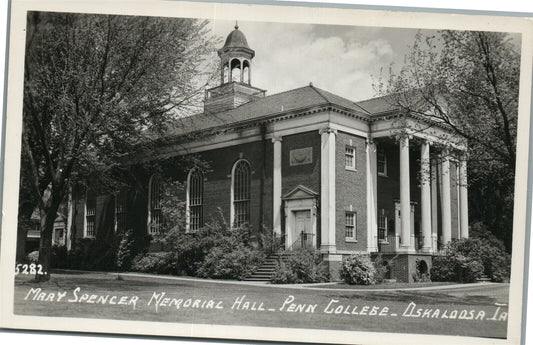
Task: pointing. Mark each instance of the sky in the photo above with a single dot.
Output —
(344, 60)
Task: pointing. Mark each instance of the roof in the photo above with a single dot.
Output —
(236, 39)
(379, 105)
(277, 104)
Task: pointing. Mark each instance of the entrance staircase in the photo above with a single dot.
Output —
(265, 272)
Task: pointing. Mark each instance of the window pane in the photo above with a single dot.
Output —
(196, 199)
(155, 205)
(241, 193)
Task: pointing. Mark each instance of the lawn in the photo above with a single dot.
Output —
(478, 310)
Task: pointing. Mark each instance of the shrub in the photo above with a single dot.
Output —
(159, 262)
(125, 250)
(59, 257)
(283, 275)
(421, 274)
(456, 268)
(230, 263)
(358, 270)
(381, 268)
(301, 266)
(33, 257)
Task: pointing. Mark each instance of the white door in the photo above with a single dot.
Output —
(302, 234)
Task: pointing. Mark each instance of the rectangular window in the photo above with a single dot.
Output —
(90, 215)
(381, 162)
(349, 158)
(120, 212)
(382, 227)
(350, 227)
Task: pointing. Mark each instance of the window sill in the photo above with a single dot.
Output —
(383, 242)
(383, 175)
(350, 240)
(350, 169)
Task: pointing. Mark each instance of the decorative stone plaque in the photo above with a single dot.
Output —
(301, 156)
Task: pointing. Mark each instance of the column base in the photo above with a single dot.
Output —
(405, 250)
(426, 250)
(331, 264)
(328, 249)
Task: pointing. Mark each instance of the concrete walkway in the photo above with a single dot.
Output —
(316, 286)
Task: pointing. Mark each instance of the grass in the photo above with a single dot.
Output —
(276, 312)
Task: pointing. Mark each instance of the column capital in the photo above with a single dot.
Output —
(426, 141)
(276, 138)
(328, 130)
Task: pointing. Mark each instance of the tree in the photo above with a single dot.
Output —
(94, 86)
(469, 82)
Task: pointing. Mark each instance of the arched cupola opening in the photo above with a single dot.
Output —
(235, 86)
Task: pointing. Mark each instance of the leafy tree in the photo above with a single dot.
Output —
(95, 87)
(469, 82)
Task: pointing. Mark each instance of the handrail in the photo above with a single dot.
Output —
(303, 238)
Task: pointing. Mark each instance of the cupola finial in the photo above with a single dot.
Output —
(236, 25)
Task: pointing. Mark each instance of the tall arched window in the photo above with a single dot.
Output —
(154, 205)
(241, 178)
(195, 199)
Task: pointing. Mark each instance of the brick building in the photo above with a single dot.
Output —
(317, 169)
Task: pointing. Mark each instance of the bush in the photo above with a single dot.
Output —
(381, 268)
(235, 263)
(481, 250)
(59, 257)
(301, 266)
(456, 268)
(33, 257)
(160, 262)
(358, 270)
(125, 250)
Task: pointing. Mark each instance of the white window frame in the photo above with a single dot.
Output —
(86, 214)
(188, 200)
(123, 213)
(352, 238)
(149, 220)
(382, 215)
(385, 166)
(353, 155)
(232, 192)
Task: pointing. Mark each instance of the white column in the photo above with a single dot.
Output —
(371, 199)
(463, 197)
(434, 207)
(405, 198)
(446, 199)
(242, 72)
(249, 72)
(276, 187)
(230, 71)
(327, 190)
(425, 189)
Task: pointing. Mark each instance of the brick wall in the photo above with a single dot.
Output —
(350, 190)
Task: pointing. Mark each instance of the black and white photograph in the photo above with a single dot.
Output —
(266, 173)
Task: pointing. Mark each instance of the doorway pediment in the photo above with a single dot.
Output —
(300, 192)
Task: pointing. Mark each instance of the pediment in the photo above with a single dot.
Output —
(300, 192)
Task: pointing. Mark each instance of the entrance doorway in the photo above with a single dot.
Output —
(300, 218)
(302, 233)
